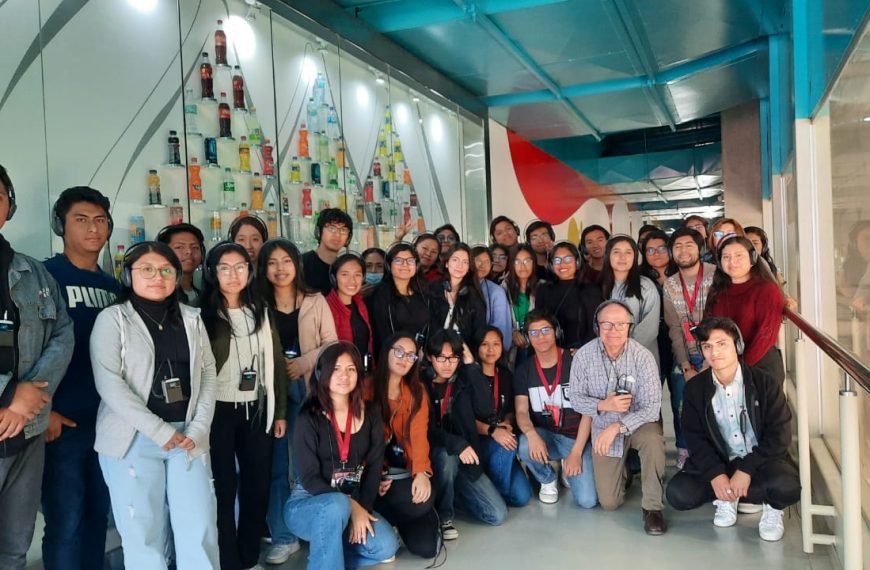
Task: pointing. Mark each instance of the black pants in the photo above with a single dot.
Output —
(417, 522)
(777, 483)
(771, 363)
(238, 434)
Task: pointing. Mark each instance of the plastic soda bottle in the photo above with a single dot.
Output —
(257, 193)
(118, 262)
(268, 160)
(244, 155)
(153, 188)
(195, 188)
(238, 88)
(220, 44)
(176, 212)
(206, 77)
(307, 210)
(303, 140)
(229, 189)
(295, 171)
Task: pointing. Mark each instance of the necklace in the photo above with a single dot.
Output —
(153, 320)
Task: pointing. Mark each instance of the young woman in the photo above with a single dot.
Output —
(373, 258)
(349, 312)
(758, 237)
(657, 266)
(459, 395)
(428, 248)
(338, 446)
(251, 233)
(520, 284)
(155, 374)
(498, 310)
(447, 238)
(399, 303)
(569, 299)
(499, 445)
(621, 280)
(304, 324)
(719, 230)
(500, 256)
(744, 290)
(457, 302)
(405, 495)
(251, 401)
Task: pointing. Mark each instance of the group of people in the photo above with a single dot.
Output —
(356, 402)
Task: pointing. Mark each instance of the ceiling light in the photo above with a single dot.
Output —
(379, 79)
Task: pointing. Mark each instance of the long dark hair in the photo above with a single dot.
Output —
(469, 282)
(512, 281)
(765, 246)
(266, 289)
(132, 256)
(381, 382)
(492, 329)
(392, 251)
(319, 399)
(214, 304)
(608, 278)
(647, 269)
(722, 281)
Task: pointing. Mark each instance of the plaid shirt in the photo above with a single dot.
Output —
(593, 378)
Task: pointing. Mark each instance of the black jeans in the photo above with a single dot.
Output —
(417, 522)
(238, 434)
(776, 483)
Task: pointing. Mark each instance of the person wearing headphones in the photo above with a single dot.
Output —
(505, 232)
(593, 240)
(745, 291)
(428, 248)
(251, 405)
(75, 499)
(719, 230)
(551, 429)
(738, 425)
(447, 237)
(338, 447)
(498, 311)
(456, 302)
(541, 236)
(500, 255)
(758, 237)
(399, 303)
(615, 381)
(188, 243)
(348, 309)
(155, 372)
(304, 324)
(251, 233)
(333, 232)
(569, 299)
(36, 344)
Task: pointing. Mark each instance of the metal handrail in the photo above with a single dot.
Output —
(856, 369)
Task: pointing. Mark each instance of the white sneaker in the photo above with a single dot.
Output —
(280, 553)
(389, 560)
(748, 508)
(770, 526)
(549, 493)
(726, 513)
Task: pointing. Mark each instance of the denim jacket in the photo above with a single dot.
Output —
(45, 333)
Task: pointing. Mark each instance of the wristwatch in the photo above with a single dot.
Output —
(623, 429)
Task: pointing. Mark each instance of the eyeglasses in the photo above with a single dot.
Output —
(608, 326)
(340, 230)
(527, 261)
(150, 272)
(561, 260)
(401, 354)
(654, 250)
(539, 238)
(544, 331)
(225, 269)
(409, 261)
(442, 359)
(449, 238)
(500, 257)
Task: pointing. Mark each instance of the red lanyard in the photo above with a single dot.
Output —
(343, 442)
(445, 403)
(690, 303)
(556, 381)
(495, 393)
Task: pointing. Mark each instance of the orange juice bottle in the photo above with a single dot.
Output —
(195, 186)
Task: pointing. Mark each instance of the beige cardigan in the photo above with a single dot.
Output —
(316, 328)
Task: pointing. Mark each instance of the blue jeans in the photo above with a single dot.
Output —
(505, 472)
(322, 520)
(453, 487)
(75, 502)
(558, 447)
(280, 490)
(147, 481)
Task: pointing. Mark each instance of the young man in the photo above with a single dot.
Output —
(699, 224)
(593, 241)
(615, 381)
(36, 343)
(737, 424)
(683, 297)
(505, 232)
(75, 499)
(540, 236)
(333, 232)
(188, 243)
(550, 427)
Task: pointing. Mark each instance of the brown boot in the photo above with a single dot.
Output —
(654, 522)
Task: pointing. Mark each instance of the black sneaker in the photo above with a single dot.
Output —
(448, 531)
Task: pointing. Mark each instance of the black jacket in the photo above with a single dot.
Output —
(390, 312)
(469, 314)
(573, 305)
(768, 413)
(457, 429)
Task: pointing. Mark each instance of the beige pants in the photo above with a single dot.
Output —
(649, 442)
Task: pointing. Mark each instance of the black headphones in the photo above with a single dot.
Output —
(318, 366)
(394, 249)
(127, 271)
(563, 245)
(588, 230)
(554, 322)
(211, 261)
(255, 221)
(742, 240)
(341, 260)
(10, 192)
(610, 303)
(541, 224)
(72, 196)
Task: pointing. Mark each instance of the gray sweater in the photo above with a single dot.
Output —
(122, 354)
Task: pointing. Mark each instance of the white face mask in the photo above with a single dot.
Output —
(374, 278)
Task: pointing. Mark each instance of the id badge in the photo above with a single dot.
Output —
(248, 381)
(555, 412)
(172, 392)
(688, 334)
(340, 475)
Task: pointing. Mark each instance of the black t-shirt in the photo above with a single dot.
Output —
(316, 272)
(503, 402)
(562, 418)
(360, 329)
(288, 329)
